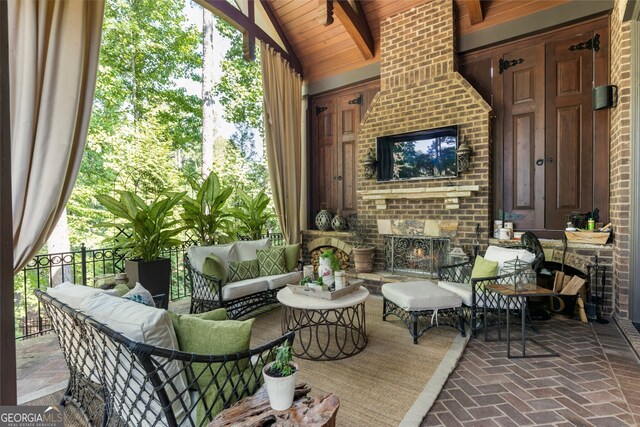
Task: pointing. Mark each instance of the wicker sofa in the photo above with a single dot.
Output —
(115, 380)
(240, 297)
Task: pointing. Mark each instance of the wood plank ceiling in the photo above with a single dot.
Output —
(325, 51)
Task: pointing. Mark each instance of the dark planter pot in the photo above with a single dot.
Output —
(155, 276)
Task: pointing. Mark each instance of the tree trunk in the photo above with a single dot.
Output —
(59, 242)
(208, 114)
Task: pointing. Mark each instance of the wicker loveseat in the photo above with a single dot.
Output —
(117, 381)
(238, 297)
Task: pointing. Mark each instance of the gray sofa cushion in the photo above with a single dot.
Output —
(279, 280)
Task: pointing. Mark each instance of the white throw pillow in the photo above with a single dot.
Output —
(140, 295)
(502, 255)
(74, 295)
(197, 255)
(147, 325)
(246, 250)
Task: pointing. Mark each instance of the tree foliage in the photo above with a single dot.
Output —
(145, 130)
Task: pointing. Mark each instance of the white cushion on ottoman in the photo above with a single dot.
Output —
(462, 289)
(420, 295)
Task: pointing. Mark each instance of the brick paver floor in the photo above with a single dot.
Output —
(594, 382)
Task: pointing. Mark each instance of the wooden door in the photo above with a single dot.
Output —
(348, 124)
(324, 158)
(523, 133)
(569, 163)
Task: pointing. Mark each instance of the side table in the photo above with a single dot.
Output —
(509, 293)
(305, 411)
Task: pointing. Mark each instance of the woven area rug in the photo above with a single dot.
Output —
(391, 382)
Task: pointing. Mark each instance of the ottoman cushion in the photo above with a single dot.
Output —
(420, 295)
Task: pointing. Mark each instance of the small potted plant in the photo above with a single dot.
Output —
(280, 378)
(363, 255)
(329, 263)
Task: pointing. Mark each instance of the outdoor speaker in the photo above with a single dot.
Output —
(605, 97)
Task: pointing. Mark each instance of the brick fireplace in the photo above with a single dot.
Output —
(421, 89)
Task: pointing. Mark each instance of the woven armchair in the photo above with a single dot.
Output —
(461, 273)
(115, 381)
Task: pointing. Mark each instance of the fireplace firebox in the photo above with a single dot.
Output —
(415, 255)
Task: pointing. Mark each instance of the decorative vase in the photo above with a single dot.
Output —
(323, 220)
(325, 271)
(338, 223)
(280, 389)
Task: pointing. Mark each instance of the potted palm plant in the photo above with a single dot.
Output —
(363, 254)
(147, 230)
(280, 378)
(205, 215)
(252, 213)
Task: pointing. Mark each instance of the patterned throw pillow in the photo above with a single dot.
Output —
(140, 295)
(272, 261)
(241, 270)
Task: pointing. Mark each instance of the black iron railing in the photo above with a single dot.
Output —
(83, 267)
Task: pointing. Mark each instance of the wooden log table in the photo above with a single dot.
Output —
(254, 411)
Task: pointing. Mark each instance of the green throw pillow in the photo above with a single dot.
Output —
(213, 266)
(216, 314)
(215, 337)
(484, 268)
(291, 255)
(272, 261)
(122, 289)
(241, 270)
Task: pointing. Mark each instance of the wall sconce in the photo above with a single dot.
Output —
(464, 156)
(370, 164)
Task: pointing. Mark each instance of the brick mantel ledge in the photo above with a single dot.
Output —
(449, 194)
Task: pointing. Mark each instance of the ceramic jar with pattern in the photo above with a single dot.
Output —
(323, 220)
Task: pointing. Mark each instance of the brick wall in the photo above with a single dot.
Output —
(620, 157)
(420, 89)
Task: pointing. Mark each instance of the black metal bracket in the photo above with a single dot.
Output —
(320, 109)
(357, 100)
(504, 64)
(593, 43)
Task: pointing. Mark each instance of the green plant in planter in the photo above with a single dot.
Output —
(283, 366)
(150, 227)
(334, 262)
(252, 213)
(206, 214)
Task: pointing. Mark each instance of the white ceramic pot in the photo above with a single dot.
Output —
(325, 271)
(280, 389)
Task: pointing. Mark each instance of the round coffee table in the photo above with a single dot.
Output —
(325, 329)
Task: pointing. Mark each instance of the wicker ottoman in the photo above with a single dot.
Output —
(422, 305)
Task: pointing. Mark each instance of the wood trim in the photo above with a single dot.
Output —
(242, 22)
(475, 11)
(355, 22)
(7, 322)
(292, 53)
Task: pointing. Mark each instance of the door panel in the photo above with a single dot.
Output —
(523, 95)
(569, 135)
(347, 152)
(326, 154)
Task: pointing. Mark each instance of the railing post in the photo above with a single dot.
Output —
(83, 257)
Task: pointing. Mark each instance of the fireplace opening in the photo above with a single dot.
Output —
(418, 256)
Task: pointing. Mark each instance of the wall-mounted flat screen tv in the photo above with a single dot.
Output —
(425, 154)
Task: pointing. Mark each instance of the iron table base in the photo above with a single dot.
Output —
(327, 334)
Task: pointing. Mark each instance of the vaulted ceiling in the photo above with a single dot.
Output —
(326, 50)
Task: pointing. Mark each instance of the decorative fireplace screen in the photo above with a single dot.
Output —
(415, 255)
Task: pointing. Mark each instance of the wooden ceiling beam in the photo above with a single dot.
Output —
(249, 29)
(475, 11)
(355, 22)
(325, 12)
